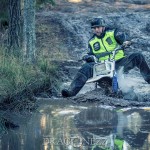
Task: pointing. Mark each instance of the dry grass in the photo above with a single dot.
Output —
(16, 76)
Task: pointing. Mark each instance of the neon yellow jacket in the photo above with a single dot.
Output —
(118, 145)
(105, 44)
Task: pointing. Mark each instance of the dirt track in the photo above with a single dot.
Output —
(73, 20)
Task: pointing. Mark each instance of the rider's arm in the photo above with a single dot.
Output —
(119, 36)
(89, 57)
(90, 52)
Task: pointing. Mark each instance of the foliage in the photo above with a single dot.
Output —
(4, 9)
(16, 76)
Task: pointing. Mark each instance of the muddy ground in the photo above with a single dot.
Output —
(71, 24)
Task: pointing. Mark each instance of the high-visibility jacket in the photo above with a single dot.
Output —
(118, 145)
(105, 44)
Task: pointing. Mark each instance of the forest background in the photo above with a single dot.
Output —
(24, 68)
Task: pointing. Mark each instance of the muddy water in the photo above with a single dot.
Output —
(77, 128)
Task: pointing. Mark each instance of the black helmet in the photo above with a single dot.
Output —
(97, 22)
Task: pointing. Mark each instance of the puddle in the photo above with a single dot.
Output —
(55, 127)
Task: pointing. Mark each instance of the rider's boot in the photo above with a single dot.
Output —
(76, 85)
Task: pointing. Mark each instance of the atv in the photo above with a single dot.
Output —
(104, 73)
(106, 77)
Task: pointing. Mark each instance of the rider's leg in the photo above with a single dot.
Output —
(79, 81)
(135, 60)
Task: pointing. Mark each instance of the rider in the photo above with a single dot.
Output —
(101, 45)
(110, 129)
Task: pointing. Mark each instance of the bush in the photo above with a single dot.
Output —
(17, 76)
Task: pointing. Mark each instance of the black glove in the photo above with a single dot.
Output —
(88, 58)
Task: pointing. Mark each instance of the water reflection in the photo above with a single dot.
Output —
(6, 125)
(78, 128)
(110, 129)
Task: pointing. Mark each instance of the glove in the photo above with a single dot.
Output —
(126, 44)
(88, 58)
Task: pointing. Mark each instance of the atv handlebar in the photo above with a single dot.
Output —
(92, 58)
(120, 47)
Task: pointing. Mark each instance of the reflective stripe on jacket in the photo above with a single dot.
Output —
(105, 44)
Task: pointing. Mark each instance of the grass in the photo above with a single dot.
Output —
(16, 76)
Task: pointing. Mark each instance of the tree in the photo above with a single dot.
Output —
(29, 37)
(14, 29)
(4, 14)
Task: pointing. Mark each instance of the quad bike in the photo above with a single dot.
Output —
(105, 76)
(104, 73)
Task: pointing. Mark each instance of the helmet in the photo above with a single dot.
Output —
(97, 22)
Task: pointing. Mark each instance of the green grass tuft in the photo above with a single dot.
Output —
(16, 76)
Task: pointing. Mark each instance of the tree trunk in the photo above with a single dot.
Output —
(29, 37)
(14, 30)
